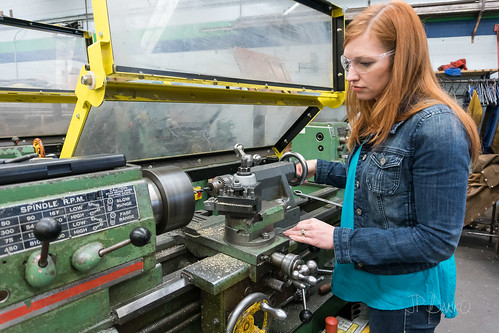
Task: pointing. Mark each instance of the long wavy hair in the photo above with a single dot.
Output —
(413, 85)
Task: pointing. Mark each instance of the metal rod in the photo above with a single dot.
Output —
(44, 254)
(492, 222)
(301, 194)
(184, 324)
(159, 325)
(304, 299)
(19, 23)
(478, 233)
(114, 247)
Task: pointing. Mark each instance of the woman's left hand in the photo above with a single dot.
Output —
(313, 232)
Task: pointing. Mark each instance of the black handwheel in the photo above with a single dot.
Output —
(304, 167)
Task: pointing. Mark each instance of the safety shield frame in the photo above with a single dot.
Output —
(104, 80)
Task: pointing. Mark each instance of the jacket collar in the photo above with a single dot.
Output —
(396, 126)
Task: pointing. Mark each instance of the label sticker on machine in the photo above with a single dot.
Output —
(79, 214)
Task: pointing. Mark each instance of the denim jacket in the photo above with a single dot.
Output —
(410, 195)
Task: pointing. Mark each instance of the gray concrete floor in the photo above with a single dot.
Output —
(477, 291)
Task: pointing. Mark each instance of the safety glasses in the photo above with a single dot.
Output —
(364, 64)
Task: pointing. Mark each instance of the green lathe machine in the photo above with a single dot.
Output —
(162, 207)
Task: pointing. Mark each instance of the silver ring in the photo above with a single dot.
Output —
(303, 232)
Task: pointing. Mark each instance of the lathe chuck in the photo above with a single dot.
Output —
(172, 197)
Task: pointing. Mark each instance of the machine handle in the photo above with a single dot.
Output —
(276, 312)
(247, 161)
(139, 236)
(305, 314)
(304, 167)
(46, 230)
(296, 275)
(248, 307)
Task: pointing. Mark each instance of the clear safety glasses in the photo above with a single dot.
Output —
(363, 64)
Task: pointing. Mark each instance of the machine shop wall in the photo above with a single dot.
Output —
(449, 26)
(450, 40)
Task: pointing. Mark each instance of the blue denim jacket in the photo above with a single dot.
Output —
(410, 195)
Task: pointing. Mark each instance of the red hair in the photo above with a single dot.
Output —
(413, 85)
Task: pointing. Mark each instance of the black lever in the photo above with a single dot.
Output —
(139, 236)
(305, 314)
(46, 230)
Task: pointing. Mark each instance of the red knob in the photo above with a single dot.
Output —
(331, 325)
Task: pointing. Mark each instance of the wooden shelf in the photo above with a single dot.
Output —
(475, 72)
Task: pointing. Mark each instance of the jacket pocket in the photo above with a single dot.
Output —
(383, 176)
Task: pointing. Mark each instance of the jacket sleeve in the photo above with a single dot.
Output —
(331, 173)
(440, 169)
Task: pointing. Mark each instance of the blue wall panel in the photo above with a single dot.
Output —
(459, 28)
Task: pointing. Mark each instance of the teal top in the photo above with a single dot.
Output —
(434, 286)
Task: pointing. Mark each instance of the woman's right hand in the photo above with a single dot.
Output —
(312, 168)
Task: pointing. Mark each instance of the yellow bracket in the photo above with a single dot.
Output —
(101, 61)
(147, 92)
(337, 12)
(37, 97)
(332, 100)
(103, 54)
(86, 99)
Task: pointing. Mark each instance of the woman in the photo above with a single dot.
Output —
(405, 179)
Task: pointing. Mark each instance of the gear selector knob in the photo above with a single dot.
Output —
(139, 236)
(46, 230)
(88, 256)
(41, 270)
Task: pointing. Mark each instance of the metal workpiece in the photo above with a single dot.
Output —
(171, 195)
